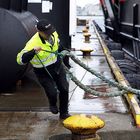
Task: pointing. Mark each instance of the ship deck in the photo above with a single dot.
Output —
(24, 114)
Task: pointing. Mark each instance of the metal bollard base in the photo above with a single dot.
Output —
(85, 137)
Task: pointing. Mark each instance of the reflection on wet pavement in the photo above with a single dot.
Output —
(97, 61)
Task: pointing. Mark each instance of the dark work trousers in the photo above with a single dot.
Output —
(52, 86)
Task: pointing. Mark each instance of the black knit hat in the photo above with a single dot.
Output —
(45, 26)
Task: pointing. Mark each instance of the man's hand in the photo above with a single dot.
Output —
(37, 49)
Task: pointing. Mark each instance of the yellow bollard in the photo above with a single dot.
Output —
(84, 127)
(85, 30)
(86, 51)
(87, 37)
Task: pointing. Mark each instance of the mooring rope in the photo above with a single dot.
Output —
(109, 81)
(125, 89)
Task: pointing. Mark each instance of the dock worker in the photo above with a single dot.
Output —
(47, 65)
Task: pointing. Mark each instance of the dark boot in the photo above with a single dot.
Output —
(64, 116)
(54, 109)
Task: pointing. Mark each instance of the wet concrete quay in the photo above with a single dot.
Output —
(25, 114)
(45, 126)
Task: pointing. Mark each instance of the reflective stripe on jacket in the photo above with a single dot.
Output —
(47, 58)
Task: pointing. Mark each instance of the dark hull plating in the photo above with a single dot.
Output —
(16, 27)
(122, 26)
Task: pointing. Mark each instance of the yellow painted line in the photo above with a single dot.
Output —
(131, 98)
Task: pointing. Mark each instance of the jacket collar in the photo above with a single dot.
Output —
(42, 39)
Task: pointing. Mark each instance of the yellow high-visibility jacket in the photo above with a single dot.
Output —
(47, 58)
